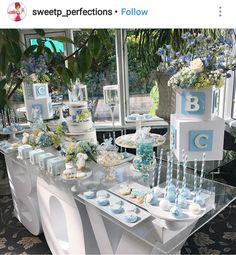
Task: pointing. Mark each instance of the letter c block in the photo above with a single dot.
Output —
(200, 140)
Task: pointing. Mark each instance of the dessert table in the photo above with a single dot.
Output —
(152, 235)
(73, 224)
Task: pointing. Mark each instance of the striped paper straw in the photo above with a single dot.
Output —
(159, 168)
(202, 170)
(177, 184)
(154, 172)
(167, 174)
(184, 171)
(195, 176)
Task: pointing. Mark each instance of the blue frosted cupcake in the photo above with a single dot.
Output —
(89, 194)
(116, 208)
(103, 201)
(130, 217)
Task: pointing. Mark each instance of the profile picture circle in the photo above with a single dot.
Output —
(16, 11)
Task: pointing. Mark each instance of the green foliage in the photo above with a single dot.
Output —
(154, 95)
(150, 40)
(100, 59)
(79, 62)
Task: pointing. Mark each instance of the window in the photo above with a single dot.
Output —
(143, 95)
(58, 45)
(103, 72)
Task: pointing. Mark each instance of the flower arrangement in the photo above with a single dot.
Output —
(43, 137)
(203, 62)
(35, 70)
(81, 115)
(79, 150)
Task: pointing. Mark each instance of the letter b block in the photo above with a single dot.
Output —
(197, 137)
(194, 104)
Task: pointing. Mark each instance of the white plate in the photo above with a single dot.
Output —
(88, 174)
(142, 214)
(150, 118)
(127, 141)
(157, 212)
(133, 185)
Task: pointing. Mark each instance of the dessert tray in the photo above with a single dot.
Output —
(129, 141)
(155, 210)
(81, 176)
(138, 200)
(126, 207)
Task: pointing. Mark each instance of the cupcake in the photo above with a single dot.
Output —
(89, 194)
(130, 217)
(116, 208)
(103, 201)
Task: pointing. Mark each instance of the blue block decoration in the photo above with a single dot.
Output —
(200, 140)
(196, 136)
(38, 107)
(29, 91)
(40, 90)
(193, 103)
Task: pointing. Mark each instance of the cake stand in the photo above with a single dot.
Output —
(129, 142)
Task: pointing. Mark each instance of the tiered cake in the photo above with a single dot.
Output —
(80, 123)
(194, 128)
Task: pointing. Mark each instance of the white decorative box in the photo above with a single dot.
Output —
(43, 106)
(23, 151)
(197, 137)
(56, 166)
(34, 156)
(43, 158)
(36, 90)
(194, 103)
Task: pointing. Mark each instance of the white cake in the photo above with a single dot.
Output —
(80, 124)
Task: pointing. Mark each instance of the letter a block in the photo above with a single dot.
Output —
(194, 104)
(197, 137)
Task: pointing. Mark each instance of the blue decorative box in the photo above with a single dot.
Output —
(194, 103)
(36, 91)
(34, 156)
(43, 158)
(23, 151)
(197, 137)
(55, 166)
